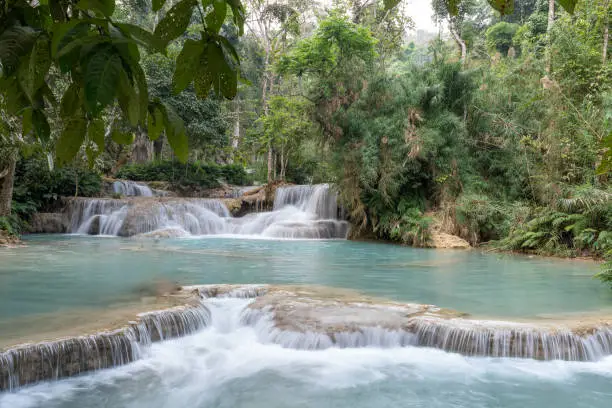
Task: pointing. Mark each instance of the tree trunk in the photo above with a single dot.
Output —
(551, 21)
(460, 43)
(142, 151)
(236, 135)
(7, 178)
(282, 162)
(606, 36)
(158, 147)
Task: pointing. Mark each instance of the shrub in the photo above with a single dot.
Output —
(38, 188)
(185, 175)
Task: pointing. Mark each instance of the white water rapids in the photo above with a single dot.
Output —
(307, 212)
(230, 364)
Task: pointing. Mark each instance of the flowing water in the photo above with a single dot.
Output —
(131, 189)
(228, 365)
(234, 361)
(299, 212)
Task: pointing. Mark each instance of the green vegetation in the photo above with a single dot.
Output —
(500, 133)
(185, 175)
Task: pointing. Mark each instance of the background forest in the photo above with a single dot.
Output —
(497, 130)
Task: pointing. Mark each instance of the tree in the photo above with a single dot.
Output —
(271, 22)
(100, 60)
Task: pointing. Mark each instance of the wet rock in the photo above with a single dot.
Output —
(48, 223)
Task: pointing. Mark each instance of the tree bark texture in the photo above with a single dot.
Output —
(7, 177)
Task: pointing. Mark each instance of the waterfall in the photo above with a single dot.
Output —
(139, 216)
(305, 212)
(131, 189)
(230, 308)
(32, 363)
(464, 336)
(318, 199)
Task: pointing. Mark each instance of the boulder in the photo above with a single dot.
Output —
(48, 223)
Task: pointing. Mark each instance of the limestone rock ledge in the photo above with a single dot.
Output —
(32, 363)
(316, 318)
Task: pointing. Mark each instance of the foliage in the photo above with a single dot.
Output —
(185, 175)
(408, 227)
(100, 60)
(38, 189)
(500, 36)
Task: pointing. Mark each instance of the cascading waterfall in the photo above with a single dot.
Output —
(131, 189)
(227, 310)
(307, 212)
(30, 364)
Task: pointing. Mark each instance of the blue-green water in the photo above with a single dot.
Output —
(226, 365)
(55, 273)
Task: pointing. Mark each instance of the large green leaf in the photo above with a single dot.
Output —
(95, 133)
(175, 21)
(121, 137)
(158, 4)
(568, 5)
(70, 101)
(155, 123)
(26, 122)
(15, 42)
(104, 7)
(175, 132)
(389, 4)
(128, 99)
(71, 139)
(142, 36)
(101, 79)
(41, 125)
(64, 33)
(38, 66)
(216, 17)
(187, 64)
(505, 7)
(140, 79)
(224, 78)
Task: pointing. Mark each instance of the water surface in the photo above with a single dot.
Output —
(58, 273)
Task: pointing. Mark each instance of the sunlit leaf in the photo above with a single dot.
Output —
(101, 79)
(175, 21)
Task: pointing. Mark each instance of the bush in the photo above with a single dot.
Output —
(185, 175)
(38, 188)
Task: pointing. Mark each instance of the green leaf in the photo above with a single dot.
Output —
(187, 64)
(140, 78)
(124, 138)
(229, 47)
(175, 132)
(41, 125)
(568, 5)
(63, 33)
(104, 7)
(175, 21)
(89, 40)
(505, 7)
(389, 4)
(70, 101)
(142, 36)
(15, 42)
(101, 79)
(95, 133)
(71, 139)
(38, 66)
(216, 17)
(26, 122)
(158, 4)
(128, 100)
(155, 122)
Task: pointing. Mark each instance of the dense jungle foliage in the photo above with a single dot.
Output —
(498, 130)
